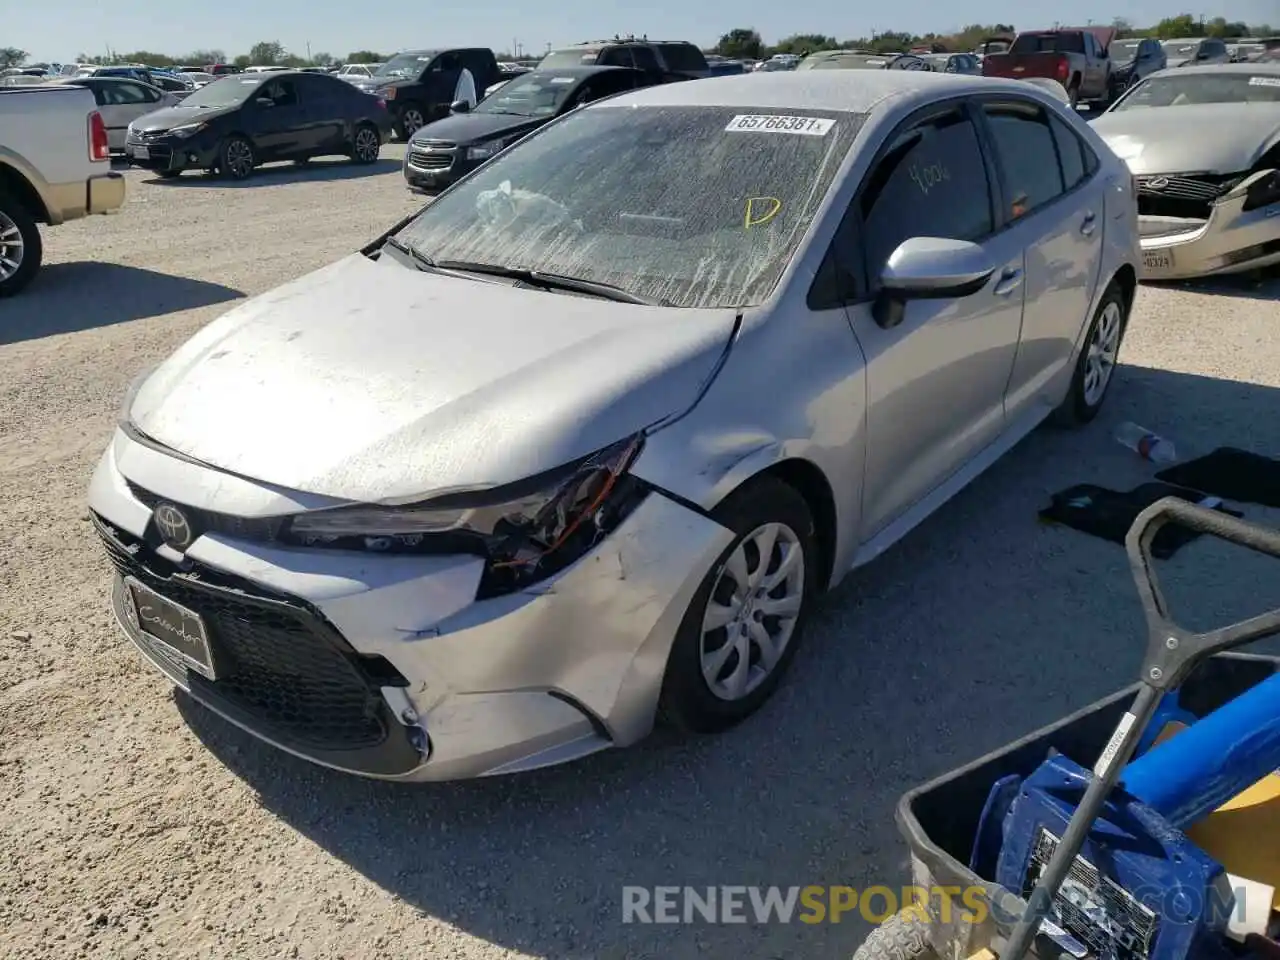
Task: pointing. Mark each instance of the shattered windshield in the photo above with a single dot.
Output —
(1194, 87)
(691, 206)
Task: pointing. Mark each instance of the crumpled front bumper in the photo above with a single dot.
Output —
(1231, 240)
(563, 669)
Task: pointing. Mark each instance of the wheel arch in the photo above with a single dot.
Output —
(21, 189)
(807, 479)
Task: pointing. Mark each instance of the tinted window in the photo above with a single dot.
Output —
(1070, 153)
(682, 57)
(284, 93)
(606, 85)
(572, 57)
(615, 57)
(696, 206)
(1025, 146)
(933, 181)
(645, 58)
(98, 95)
(1048, 43)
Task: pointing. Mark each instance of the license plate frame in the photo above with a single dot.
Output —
(1157, 261)
(140, 153)
(187, 639)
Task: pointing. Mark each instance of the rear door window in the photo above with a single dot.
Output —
(1028, 156)
(682, 57)
(646, 59)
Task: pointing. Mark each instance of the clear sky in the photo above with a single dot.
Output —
(59, 29)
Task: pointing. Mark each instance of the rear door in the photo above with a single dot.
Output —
(936, 381)
(327, 110)
(1052, 200)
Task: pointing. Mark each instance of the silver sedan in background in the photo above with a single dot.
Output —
(1204, 146)
(579, 445)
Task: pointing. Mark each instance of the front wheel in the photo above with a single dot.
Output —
(20, 248)
(411, 118)
(237, 160)
(366, 144)
(743, 625)
(1096, 367)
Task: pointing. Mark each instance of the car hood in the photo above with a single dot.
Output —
(1202, 138)
(166, 118)
(474, 127)
(371, 381)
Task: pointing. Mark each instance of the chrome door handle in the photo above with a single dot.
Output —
(1089, 224)
(1009, 281)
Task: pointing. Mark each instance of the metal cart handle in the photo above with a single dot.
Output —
(1173, 652)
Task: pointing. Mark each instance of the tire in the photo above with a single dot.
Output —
(1102, 344)
(1073, 94)
(236, 159)
(904, 936)
(366, 144)
(409, 119)
(687, 701)
(21, 250)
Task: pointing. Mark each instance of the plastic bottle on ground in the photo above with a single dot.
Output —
(1144, 443)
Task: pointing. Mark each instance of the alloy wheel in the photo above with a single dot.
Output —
(1104, 345)
(239, 159)
(411, 120)
(11, 247)
(367, 145)
(752, 611)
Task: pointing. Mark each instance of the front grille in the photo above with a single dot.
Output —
(261, 529)
(278, 661)
(424, 160)
(1182, 195)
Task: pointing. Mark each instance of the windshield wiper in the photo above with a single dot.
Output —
(419, 259)
(551, 281)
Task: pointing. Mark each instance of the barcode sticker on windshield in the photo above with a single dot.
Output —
(806, 126)
(1264, 81)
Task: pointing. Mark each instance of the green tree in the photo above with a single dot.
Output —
(1183, 25)
(741, 43)
(242, 61)
(365, 56)
(1230, 30)
(200, 58)
(148, 57)
(12, 57)
(322, 60)
(802, 43)
(266, 53)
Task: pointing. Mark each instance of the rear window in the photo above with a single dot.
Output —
(1048, 43)
(570, 57)
(1184, 90)
(682, 57)
(691, 206)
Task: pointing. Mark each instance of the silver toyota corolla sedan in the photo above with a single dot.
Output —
(1204, 145)
(579, 445)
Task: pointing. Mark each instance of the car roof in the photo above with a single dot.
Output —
(853, 91)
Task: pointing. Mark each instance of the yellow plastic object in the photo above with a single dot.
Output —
(1244, 833)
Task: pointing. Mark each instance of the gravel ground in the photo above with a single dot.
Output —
(136, 825)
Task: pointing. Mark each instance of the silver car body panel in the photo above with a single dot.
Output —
(1210, 154)
(371, 397)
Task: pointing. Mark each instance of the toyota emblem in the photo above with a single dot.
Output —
(1157, 183)
(173, 525)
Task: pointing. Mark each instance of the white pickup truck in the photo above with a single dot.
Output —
(55, 166)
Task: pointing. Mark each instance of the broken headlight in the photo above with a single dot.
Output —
(1263, 192)
(526, 531)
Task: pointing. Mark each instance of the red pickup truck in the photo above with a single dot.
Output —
(1076, 57)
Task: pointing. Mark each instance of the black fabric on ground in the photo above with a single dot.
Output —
(1230, 473)
(1109, 514)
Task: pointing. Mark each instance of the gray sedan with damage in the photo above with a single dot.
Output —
(578, 447)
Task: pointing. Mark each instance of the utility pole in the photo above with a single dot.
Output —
(308, 51)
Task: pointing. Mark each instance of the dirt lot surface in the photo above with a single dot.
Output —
(136, 825)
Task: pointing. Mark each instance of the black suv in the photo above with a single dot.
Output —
(419, 85)
(671, 57)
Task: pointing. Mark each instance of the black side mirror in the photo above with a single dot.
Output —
(460, 106)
